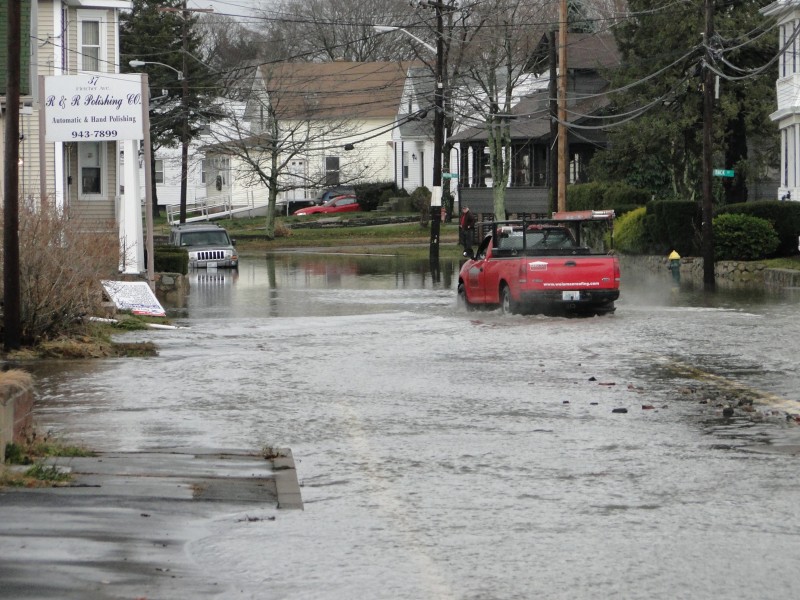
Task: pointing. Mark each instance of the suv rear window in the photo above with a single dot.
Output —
(204, 238)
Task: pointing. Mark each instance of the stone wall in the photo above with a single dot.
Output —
(16, 408)
(728, 273)
(172, 289)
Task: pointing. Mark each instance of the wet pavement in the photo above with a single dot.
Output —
(126, 523)
(444, 454)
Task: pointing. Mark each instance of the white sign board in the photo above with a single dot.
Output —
(93, 108)
(135, 296)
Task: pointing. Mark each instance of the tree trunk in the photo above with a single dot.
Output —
(154, 188)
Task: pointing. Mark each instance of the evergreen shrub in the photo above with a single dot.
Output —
(673, 225)
(602, 196)
(630, 235)
(421, 200)
(369, 194)
(171, 259)
(784, 217)
(743, 237)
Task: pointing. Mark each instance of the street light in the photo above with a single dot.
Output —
(140, 63)
(388, 28)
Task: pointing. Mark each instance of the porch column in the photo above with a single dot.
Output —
(130, 218)
(795, 155)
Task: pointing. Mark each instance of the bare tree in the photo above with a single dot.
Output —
(233, 51)
(325, 30)
(502, 35)
(287, 122)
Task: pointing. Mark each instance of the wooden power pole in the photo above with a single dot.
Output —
(562, 106)
(11, 292)
(708, 109)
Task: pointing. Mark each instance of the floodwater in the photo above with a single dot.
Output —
(453, 455)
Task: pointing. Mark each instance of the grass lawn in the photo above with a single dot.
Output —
(408, 239)
(792, 262)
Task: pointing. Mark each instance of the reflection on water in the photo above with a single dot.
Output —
(296, 283)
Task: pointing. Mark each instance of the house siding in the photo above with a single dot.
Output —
(91, 209)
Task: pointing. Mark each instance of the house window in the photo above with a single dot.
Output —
(202, 171)
(91, 164)
(540, 165)
(159, 175)
(521, 172)
(91, 34)
(405, 165)
(331, 170)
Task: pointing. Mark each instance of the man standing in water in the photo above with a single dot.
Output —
(466, 226)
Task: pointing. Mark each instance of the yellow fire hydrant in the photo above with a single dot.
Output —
(675, 264)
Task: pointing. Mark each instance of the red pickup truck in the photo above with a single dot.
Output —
(541, 266)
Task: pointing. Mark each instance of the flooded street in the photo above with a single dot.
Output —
(454, 455)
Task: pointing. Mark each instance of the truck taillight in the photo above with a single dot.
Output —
(616, 270)
(523, 272)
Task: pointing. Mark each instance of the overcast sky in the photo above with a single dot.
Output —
(229, 7)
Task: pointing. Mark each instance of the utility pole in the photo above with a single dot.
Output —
(562, 106)
(552, 91)
(708, 108)
(438, 139)
(438, 130)
(185, 110)
(11, 293)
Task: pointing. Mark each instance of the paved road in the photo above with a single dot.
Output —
(126, 524)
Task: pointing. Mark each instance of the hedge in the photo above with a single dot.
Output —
(630, 236)
(370, 195)
(673, 225)
(171, 259)
(784, 217)
(743, 237)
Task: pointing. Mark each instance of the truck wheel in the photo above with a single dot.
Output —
(507, 304)
(463, 303)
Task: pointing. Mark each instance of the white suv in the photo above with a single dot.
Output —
(209, 245)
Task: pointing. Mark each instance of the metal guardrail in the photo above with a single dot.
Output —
(199, 211)
(206, 211)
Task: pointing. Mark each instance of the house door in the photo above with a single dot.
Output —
(296, 176)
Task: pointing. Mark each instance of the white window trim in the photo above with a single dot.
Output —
(100, 17)
(103, 150)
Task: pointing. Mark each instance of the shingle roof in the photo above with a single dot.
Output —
(336, 89)
(593, 51)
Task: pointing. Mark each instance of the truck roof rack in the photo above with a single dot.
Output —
(584, 215)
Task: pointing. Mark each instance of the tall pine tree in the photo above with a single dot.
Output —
(662, 55)
(156, 36)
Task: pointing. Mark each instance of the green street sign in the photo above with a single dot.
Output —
(449, 175)
(723, 172)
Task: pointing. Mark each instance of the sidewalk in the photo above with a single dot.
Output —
(121, 527)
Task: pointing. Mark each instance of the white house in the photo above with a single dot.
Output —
(787, 13)
(83, 177)
(335, 124)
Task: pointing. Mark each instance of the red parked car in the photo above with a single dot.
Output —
(346, 203)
